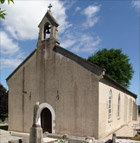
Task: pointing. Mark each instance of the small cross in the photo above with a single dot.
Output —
(50, 6)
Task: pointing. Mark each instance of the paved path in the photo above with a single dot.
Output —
(6, 136)
(3, 124)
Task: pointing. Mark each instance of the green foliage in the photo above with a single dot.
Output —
(10, 1)
(4, 127)
(3, 103)
(3, 1)
(116, 64)
(2, 12)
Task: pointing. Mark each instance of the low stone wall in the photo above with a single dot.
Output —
(72, 139)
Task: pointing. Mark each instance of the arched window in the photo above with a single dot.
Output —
(47, 30)
(110, 106)
(118, 113)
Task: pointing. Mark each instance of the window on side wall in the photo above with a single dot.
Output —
(118, 113)
(110, 106)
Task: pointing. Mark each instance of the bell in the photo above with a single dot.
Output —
(48, 31)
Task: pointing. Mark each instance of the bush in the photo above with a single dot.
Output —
(4, 127)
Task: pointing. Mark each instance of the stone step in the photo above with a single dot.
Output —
(50, 140)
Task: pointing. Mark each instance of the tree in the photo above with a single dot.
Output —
(116, 64)
(2, 12)
(3, 102)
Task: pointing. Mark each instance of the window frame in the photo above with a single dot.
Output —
(119, 106)
(110, 107)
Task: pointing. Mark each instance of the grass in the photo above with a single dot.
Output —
(136, 138)
(4, 127)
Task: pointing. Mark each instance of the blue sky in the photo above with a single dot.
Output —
(86, 26)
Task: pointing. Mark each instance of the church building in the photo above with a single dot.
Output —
(75, 96)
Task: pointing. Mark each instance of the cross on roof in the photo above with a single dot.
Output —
(50, 6)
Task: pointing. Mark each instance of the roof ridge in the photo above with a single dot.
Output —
(50, 18)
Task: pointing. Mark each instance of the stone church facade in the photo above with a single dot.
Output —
(76, 97)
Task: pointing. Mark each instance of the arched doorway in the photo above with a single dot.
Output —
(43, 106)
(46, 120)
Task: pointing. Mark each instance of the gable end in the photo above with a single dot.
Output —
(20, 65)
(84, 63)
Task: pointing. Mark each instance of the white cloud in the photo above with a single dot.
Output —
(8, 46)
(24, 17)
(77, 9)
(136, 4)
(11, 56)
(86, 43)
(68, 43)
(69, 3)
(90, 12)
(91, 22)
(78, 42)
(9, 63)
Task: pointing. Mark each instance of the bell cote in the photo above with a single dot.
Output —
(48, 27)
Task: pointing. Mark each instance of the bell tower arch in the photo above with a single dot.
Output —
(47, 30)
(48, 27)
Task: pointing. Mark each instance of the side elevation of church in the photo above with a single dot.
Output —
(76, 97)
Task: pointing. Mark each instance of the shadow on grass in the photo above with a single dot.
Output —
(4, 127)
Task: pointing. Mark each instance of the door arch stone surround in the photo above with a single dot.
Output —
(41, 107)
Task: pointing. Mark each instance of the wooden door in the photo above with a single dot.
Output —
(46, 120)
